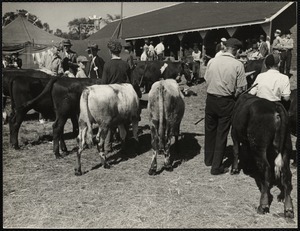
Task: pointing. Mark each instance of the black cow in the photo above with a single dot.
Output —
(262, 142)
(21, 87)
(254, 65)
(61, 97)
(148, 72)
(64, 96)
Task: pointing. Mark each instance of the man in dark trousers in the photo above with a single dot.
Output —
(69, 59)
(115, 70)
(95, 65)
(225, 78)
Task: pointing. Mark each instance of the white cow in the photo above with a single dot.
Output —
(109, 106)
(166, 109)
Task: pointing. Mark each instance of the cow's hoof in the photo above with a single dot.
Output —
(289, 213)
(58, 156)
(263, 210)
(152, 172)
(234, 171)
(16, 147)
(168, 168)
(78, 172)
(106, 165)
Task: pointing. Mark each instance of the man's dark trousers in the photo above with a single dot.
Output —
(218, 114)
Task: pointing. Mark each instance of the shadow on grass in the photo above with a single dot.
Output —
(188, 149)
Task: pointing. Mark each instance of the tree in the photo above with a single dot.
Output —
(109, 18)
(11, 16)
(46, 27)
(80, 28)
(58, 33)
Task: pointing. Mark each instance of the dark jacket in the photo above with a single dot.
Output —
(69, 63)
(116, 71)
(99, 63)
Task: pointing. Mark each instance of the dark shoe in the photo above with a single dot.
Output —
(219, 171)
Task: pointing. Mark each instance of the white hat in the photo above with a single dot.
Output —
(223, 39)
(278, 31)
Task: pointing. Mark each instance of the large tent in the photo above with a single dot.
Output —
(27, 39)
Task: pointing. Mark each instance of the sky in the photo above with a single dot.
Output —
(58, 14)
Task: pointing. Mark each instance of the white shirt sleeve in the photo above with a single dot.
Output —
(286, 91)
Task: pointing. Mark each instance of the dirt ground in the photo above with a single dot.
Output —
(40, 191)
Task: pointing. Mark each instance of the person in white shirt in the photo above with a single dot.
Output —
(272, 85)
(159, 49)
(196, 54)
(144, 56)
(151, 51)
(254, 54)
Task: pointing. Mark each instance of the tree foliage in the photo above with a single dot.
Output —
(11, 16)
(80, 28)
(109, 18)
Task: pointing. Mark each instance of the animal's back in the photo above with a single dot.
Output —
(111, 103)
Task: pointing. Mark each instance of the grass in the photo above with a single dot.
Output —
(40, 191)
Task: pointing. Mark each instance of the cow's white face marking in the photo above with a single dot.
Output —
(163, 68)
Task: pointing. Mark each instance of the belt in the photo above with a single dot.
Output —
(221, 96)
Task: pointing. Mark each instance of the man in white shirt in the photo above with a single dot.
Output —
(272, 85)
(196, 64)
(159, 49)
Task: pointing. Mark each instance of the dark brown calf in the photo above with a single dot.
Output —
(261, 142)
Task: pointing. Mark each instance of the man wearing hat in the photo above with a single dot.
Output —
(272, 85)
(81, 62)
(277, 45)
(286, 53)
(95, 65)
(225, 78)
(69, 57)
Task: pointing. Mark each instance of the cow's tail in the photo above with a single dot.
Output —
(161, 129)
(46, 91)
(280, 138)
(86, 135)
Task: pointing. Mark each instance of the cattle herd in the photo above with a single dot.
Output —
(260, 129)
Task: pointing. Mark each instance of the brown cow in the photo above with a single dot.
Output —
(166, 107)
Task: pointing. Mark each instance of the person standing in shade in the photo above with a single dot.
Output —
(196, 54)
(16, 61)
(286, 54)
(69, 59)
(127, 55)
(159, 49)
(277, 42)
(263, 47)
(115, 70)
(96, 63)
(56, 66)
(225, 78)
(151, 51)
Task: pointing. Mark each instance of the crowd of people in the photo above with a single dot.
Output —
(12, 61)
